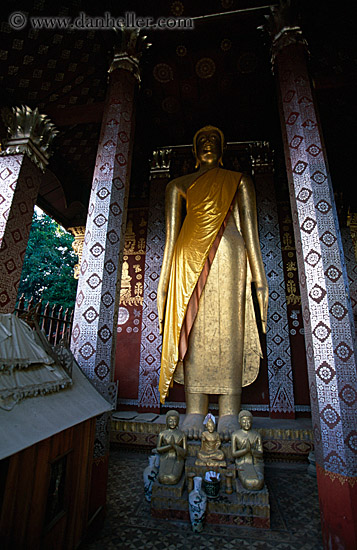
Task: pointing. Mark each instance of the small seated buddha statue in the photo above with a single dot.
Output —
(247, 449)
(210, 453)
(172, 449)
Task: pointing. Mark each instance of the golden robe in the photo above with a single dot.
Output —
(216, 326)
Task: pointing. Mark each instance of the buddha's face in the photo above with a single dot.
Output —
(246, 423)
(210, 425)
(208, 147)
(172, 421)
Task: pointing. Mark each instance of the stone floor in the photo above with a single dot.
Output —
(295, 518)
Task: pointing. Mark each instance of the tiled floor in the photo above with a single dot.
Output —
(295, 518)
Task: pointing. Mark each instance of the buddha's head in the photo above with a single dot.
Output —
(210, 425)
(209, 422)
(245, 420)
(208, 145)
(172, 419)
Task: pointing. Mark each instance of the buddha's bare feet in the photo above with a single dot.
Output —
(227, 424)
(193, 425)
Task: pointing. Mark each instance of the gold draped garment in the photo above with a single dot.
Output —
(208, 201)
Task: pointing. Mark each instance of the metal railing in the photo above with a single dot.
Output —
(55, 322)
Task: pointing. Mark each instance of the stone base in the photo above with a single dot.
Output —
(159, 490)
(252, 498)
(248, 508)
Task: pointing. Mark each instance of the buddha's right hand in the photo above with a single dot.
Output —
(161, 311)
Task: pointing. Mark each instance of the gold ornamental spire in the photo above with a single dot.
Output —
(30, 133)
(129, 46)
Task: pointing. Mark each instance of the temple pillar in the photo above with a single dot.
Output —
(22, 163)
(352, 224)
(325, 294)
(95, 320)
(349, 241)
(349, 249)
(151, 340)
(280, 379)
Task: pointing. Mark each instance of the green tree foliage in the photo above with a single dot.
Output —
(47, 272)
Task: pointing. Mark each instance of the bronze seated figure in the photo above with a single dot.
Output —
(247, 449)
(210, 453)
(172, 449)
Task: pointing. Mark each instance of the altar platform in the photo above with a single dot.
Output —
(283, 440)
(294, 514)
(241, 507)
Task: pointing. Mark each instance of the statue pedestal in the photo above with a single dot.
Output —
(242, 507)
(173, 491)
(170, 501)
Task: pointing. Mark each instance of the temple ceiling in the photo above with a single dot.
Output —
(218, 73)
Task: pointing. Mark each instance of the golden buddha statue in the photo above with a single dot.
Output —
(206, 314)
(172, 449)
(247, 449)
(210, 453)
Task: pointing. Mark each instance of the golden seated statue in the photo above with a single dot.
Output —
(172, 448)
(210, 453)
(247, 449)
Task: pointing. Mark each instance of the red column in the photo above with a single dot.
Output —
(20, 180)
(326, 303)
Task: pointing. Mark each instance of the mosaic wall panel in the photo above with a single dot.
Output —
(293, 306)
(95, 318)
(19, 184)
(324, 284)
(127, 356)
(150, 357)
(281, 394)
(351, 265)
